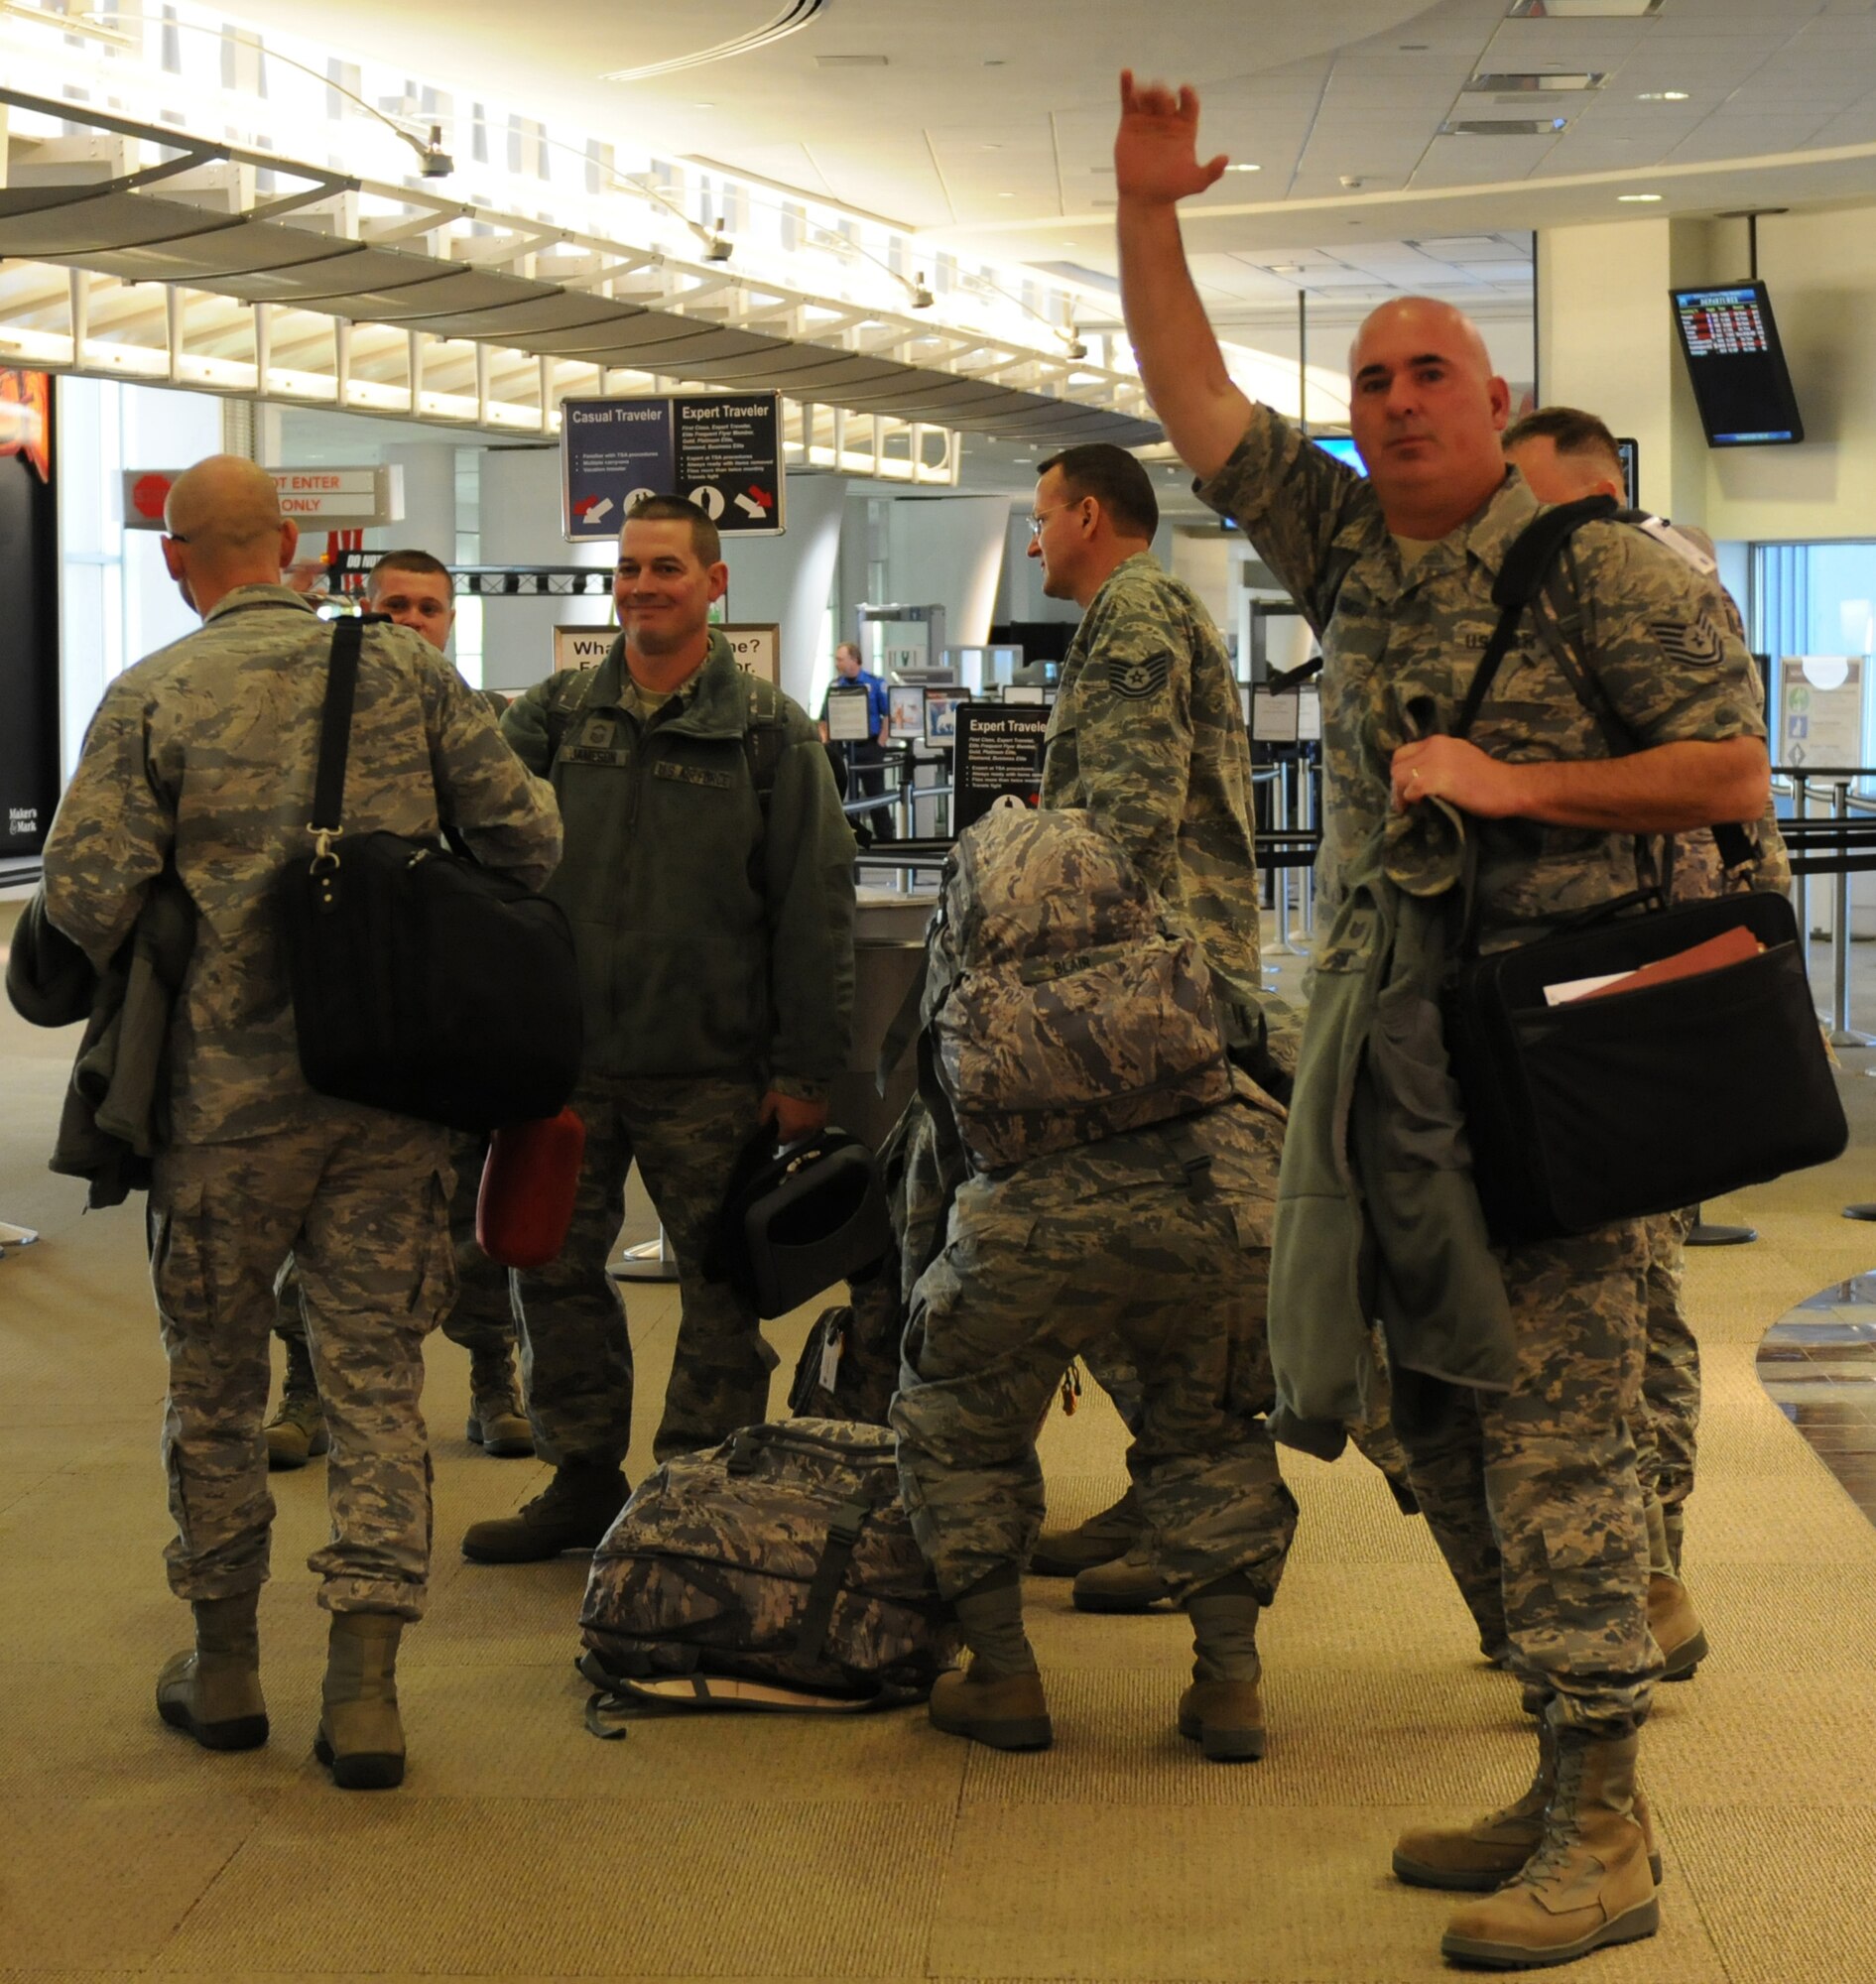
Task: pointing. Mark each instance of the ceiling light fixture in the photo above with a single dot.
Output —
(1518, 81)
(1581, 9)
(1661, 96)
(1503, 127)
(1638, 198)
(1244, 168)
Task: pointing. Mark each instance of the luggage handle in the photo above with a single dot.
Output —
(843, 1537)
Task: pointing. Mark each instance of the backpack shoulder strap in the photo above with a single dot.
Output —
(765, 739)
(566, 703)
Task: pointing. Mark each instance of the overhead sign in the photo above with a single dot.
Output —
(723, 451)
(329, 499)
(998, 751)
(1821, 711)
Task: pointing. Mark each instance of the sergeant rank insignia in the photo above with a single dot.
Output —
(1141, 678)
(1696, 643)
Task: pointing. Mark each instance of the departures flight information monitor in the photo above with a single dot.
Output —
(1736, 365)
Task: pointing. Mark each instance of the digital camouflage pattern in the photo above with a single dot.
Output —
(360, 1198)
(1543, 1479)
(710, 1567)
(481, 1318)
(1063, 1004)
(1668, 1425)
(685, 1134)
(1147, 734)
(1401, 645)
(1137, 1241)
(203, 755)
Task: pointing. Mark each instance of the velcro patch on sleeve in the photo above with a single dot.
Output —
(1140, 676)
(1697, 642)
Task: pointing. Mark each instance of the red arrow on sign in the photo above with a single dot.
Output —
(766, 497)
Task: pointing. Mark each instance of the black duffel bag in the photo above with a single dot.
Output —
(1644, 1101)
(422, 982)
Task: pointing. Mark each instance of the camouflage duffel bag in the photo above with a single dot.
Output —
(785, 1557)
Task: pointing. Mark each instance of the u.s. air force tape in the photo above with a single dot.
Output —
(1145, 675)
(1693, 642)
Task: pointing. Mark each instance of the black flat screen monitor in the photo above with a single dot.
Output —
(1737, 366)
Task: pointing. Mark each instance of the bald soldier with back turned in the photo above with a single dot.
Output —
(200, 766)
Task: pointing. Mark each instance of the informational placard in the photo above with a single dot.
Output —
(323, 499)
(998, 750)
(940, 715)
(1821, 710)
(756, 645)
(846, 716)
(581, 647)
(1036, 696)
(723, 451)
(1272, 717)
(1308, 716)
(905, 712)
(29, 632)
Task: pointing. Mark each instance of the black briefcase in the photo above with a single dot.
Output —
(1644, 1101)
(422, 982)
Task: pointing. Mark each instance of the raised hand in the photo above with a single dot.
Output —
(1155, 149)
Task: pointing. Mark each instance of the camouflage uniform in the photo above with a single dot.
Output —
(1063, 1254)
(481, 1318)
(1147, 734)
(1545, 1474)
(201, 757)
(713, 921)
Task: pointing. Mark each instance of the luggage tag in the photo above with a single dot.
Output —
(832, 1348)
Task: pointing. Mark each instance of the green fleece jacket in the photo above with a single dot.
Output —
(715, 927)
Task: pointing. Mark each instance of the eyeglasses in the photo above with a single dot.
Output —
(1035, 523)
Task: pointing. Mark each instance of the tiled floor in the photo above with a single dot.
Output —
(1818, 1363)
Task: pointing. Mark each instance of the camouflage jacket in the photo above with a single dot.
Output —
(1148, 735)
(1401, 647)
(201, 759)
(714, 924)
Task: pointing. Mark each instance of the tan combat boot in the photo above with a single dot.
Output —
(1005, 1712)
(1221, 1711)
(1477, 1858)
(297, 1432)
(1130, 1583)
(572, 1512)
(1101, 1539)
(1588, 1885)
(361, 1739)
(1675, 1626)
(213, 1692)
(497, 1423)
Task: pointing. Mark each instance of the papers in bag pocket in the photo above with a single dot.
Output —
(1731, 946)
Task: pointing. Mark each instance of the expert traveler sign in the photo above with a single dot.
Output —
(723, 451)
(999, 751)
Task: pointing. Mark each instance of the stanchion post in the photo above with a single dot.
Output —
(1841, 1033)
(1279, 809)
(1309, 771)
(1800, 884)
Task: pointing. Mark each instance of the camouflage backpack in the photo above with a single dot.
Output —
(782, 1556)
(1061, 1005)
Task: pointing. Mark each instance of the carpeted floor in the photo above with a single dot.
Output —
(520, 1847)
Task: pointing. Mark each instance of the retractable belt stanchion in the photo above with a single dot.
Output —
(15, 1236)
(649, 1261)
(1308, 772)
(1842, 1035)
(1801, 882)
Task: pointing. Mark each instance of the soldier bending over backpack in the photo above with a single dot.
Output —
(1118, 1178)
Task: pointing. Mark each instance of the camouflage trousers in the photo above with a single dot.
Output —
(1532, 1495)
(685, 1134)
(1043, 1265)
(360, 1199)
(1667, 1425)
(482, 1318)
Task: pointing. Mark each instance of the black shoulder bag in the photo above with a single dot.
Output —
(422, 982)
(1638, 1101)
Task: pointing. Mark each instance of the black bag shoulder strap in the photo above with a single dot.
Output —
(335, 727)
(1520, 579)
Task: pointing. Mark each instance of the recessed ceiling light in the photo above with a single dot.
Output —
(1638, 198)
(1581, 9)
(1006, 196)
(1244, 168)
(703, 106)
(850, 61)
(1517, 81)
(992, 148)
(1502, 127)
(1661, 96)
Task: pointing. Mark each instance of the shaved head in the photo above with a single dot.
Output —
(223, 504)
(1440, 326)
(1427, 411)
(223, 529)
